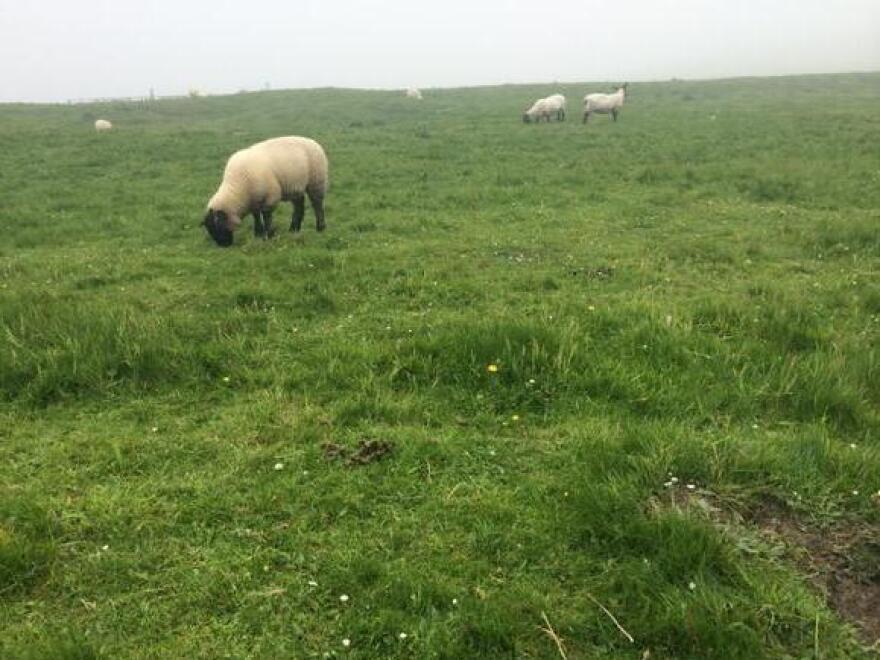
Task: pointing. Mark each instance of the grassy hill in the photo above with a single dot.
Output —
(583, 382)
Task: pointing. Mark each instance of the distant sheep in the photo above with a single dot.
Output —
(413, 93)
(605, 104)
(258, 178)
(103, 125)
(546, 108)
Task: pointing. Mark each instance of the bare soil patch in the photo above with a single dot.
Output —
(367, 451)
(841, 560)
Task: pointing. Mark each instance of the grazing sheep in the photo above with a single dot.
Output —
(605, 104)
(103, 125)
(413, 93)
(536, 112)
(545, 108)
(258, 178)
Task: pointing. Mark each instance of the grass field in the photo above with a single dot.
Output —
(528, 373)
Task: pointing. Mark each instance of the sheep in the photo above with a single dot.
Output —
(102, 125)
(413, 93)
(258, 178)
(544, 108)
(605, 103)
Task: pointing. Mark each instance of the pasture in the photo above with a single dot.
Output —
(536, 389)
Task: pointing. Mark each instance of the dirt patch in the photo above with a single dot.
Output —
(841, 560)
(366, 452)
(332, 451)
(598, 273)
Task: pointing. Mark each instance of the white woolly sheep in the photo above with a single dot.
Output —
(413, 93)
(605, 104)
(258, 178)
(103, 125)
(545, 108)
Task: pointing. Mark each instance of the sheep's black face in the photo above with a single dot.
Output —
(216, 222)
(526, 118)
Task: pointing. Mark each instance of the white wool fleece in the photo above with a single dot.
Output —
(263, 175)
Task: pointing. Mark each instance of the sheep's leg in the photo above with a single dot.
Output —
(317, 201)
(614, 115)
(268, 231)
(299, 211)
(258, 223)
(586, 117)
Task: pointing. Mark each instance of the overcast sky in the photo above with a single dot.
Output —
(55, 50)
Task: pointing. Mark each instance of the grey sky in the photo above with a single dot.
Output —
(56, 50)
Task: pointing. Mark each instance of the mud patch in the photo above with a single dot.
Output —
(332, 451)
(366, 452)
(841, 560)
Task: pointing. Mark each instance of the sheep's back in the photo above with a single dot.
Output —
(282, 166)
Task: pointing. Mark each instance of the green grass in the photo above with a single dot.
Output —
(671, 294)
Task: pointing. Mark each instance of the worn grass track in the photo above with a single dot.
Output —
(691, 292)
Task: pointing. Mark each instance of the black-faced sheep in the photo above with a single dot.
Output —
(258, 178)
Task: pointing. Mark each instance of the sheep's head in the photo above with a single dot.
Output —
(219, 227)
(526, 118)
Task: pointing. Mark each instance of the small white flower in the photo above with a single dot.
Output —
(105, 547)
(531, 381)
(279, 466)
(855, 492)
(312, 583)
(565, 494)
(754, 426)
(852, 445)
(455, 602)
(225, 379)
(673, 480)
(691, 487)
(343, 598)
(346, 642)
(155, 429)
(692, 585)
(592, 308)
(402, 636)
